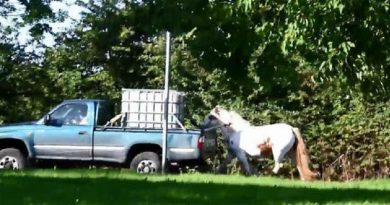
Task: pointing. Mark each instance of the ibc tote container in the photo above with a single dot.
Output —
(144, 108)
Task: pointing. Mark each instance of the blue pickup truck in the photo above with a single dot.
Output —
(75, 131)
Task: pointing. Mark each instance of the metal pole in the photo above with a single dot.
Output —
(166, 100)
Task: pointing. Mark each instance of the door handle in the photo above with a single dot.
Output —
(82, 132)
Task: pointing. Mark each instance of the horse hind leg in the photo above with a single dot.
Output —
(278, 162)
(281, 151)
(279, 155)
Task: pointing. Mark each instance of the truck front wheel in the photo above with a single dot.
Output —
(146, 163)
(11, 158)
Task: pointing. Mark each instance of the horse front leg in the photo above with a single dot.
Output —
(241, 156)
(222, 168)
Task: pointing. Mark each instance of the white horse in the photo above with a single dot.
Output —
(253, 140)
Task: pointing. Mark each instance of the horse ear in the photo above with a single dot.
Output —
(216, 109)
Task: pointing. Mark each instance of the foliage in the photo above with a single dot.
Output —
(22, 81)
(322, 66)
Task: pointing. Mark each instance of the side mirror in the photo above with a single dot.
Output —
(47, 119)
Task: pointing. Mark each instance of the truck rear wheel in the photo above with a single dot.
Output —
(146, 163)
(11, 158)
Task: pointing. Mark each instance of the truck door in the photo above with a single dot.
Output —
(67, 133)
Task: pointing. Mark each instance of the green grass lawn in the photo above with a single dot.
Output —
(46, 187)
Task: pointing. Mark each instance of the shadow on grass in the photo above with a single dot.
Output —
(20, 190)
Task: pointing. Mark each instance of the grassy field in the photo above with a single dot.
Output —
(47, 187)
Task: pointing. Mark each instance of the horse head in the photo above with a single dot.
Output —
(219, 116)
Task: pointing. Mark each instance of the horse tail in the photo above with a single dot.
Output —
(302, 158)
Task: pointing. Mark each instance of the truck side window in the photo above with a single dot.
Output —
(71, 114)
(104, 113)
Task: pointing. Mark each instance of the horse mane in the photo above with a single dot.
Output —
(238, 119)
(235, 118)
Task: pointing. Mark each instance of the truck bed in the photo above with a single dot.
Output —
(182, 145)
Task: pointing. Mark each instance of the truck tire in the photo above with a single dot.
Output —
(146, 163)
(11, 158)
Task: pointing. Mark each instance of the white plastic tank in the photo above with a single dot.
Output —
(144, 108)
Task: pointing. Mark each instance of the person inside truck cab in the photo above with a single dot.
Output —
(77, 115)
(82, 118)
(72, 114)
